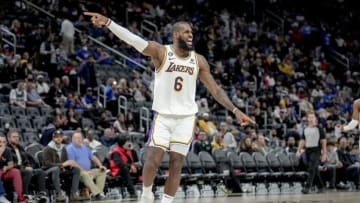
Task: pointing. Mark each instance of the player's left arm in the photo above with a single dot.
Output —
(217, 92)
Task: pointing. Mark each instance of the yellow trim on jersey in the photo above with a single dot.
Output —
(191, 137)
(153, 132)
(179, 57)
(157, 70)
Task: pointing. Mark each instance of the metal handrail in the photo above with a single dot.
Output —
(123, 104)
(89, 37)
(147, 25)
(340, 58)
(276, 19)
(145, 116)
(8, 32)
(101, 95)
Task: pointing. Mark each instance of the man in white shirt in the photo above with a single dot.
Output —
(67, 32)
(18, 96)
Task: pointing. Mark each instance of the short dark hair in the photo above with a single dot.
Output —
(121, 140)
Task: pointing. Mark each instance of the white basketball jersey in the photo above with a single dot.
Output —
(175, 84)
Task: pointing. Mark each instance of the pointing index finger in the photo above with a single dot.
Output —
(90, 14)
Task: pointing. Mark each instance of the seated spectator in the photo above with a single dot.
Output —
(108, 139)
(291, 146)
(230, 123)
(57, 164)
(202, 143)
(41, 86)
(22, 162)
(73, 101)
(246, 145)
(333, 163)
(8, 172)
(131, 123)
(33, 98)
(55, 97)
(228, 138)
(72, 122)
(83, 157)
(18, 95)
(350, 169)
(47, 133)
(120, 124)
(123, 88)
(90, 140)
(90, 100)
(260, 144)
(103, 122)
(122, 163)
(87, 72)
(66, 86)
(217, 142)
(207, 125)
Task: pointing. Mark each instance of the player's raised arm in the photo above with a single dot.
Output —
(218, 93)
(355, 117)
(149, 48)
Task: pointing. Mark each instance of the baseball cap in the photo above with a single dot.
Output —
(58, 132)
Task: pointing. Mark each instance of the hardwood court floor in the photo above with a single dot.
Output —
(327, 197)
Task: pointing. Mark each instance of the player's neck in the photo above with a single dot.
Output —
(180, 52)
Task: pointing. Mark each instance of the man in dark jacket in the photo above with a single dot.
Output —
(350, 169)
(55, 162)
(21, 161)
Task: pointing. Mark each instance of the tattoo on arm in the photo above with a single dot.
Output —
(221, 97)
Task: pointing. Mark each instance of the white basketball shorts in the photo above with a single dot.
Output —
(172, 132)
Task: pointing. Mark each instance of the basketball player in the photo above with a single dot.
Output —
(177, 68)
(355, 117)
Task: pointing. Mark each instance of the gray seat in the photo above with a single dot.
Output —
(209, 165)
(33, 112)
(87, 123)
(18, 111)
(39, 123)
(24, 124)
(194, 165)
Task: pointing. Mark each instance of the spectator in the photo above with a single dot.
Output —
(90, 100)
(120, 124)
(103, 121)
(291, 146)
(73, 122)
(123, 88)
(202, 143)
(41, 86)
(122, 163)
(8, 172)
(33, 98)
(350, 169)
(55, 96)
(67, 32)
(87, 72)
(22, 162)
(82, 156)
(246, 145)
(73, 101)
(131, 123)
(91, 141)
(57, 164)
(48, 56)
(203, 106)
(108, 139)
(228, 138)
(207, 125)
(217, 142)
(112, 95)
(66, 86)
(333, 163)
(18, 96)
(260, 144)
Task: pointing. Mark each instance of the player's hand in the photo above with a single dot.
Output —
(96, 18)
(242, 118)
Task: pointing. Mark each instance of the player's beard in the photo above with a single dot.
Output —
(183, 45)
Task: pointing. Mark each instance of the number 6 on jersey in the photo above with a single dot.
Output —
(178, 83)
